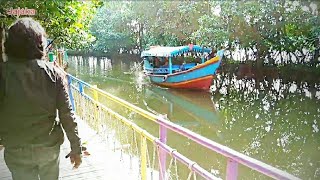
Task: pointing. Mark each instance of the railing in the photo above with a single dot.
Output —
(79, 98)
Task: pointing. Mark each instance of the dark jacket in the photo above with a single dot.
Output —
(32, 92)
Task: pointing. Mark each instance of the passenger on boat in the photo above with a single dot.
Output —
(156, 62)
(35, 90)
(166, 62)
(212, 54)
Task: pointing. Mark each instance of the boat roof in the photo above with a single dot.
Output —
(162, 51)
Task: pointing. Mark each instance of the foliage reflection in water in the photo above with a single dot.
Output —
(274, 121)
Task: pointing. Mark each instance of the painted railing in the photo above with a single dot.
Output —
(234, 158)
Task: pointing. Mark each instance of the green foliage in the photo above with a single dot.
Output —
(267, 26)
(262, 26)
(146, 23)
(211, 32)
(65, 20)
(111, 27)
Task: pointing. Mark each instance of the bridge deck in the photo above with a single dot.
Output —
(103, 163)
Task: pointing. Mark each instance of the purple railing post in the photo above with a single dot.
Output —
(162, 153)
(232, 170)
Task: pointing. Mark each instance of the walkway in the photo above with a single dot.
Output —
(103, 163)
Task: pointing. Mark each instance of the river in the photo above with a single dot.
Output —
(275, 121)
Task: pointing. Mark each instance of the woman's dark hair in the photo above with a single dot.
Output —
(26, 40)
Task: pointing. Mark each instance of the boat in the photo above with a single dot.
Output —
(167, 66)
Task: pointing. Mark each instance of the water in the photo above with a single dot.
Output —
(274, 121)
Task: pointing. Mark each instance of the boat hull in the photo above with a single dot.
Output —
(198, 77)
(202, 83)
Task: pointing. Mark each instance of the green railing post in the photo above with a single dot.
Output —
(51, 58)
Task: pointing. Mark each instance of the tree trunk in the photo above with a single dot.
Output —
(246, 54)
(261, 53)
(302, 55)
(271, 59)
(140, 36)
(259, 59)
(296, 56)
(1, 42)
(316, 52)
(288, 57)
(281, 57)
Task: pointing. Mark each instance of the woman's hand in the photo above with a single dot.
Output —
(75, 160)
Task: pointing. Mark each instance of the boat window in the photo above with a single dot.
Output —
(178, 60)
(165, 62)
(156, 62)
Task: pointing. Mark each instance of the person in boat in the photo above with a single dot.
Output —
(32, 90)
(212, 54)
(156, 62)
(166, 62)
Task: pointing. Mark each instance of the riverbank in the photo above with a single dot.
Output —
(290, 72)
(113, 56)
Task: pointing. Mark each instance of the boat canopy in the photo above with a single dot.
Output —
(161, 51)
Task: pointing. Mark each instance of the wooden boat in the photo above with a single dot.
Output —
(192, 75)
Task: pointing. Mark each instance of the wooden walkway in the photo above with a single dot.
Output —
(103, 163)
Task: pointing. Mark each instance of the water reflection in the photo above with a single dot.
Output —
(273, 120)
(196, 107)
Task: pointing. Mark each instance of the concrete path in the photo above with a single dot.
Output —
(102, 164)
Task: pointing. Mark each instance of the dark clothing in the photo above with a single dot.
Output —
(211, 55)
(33, 91)
(33, 162)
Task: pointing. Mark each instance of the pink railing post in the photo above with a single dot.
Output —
(162, 153)
(232, 170)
